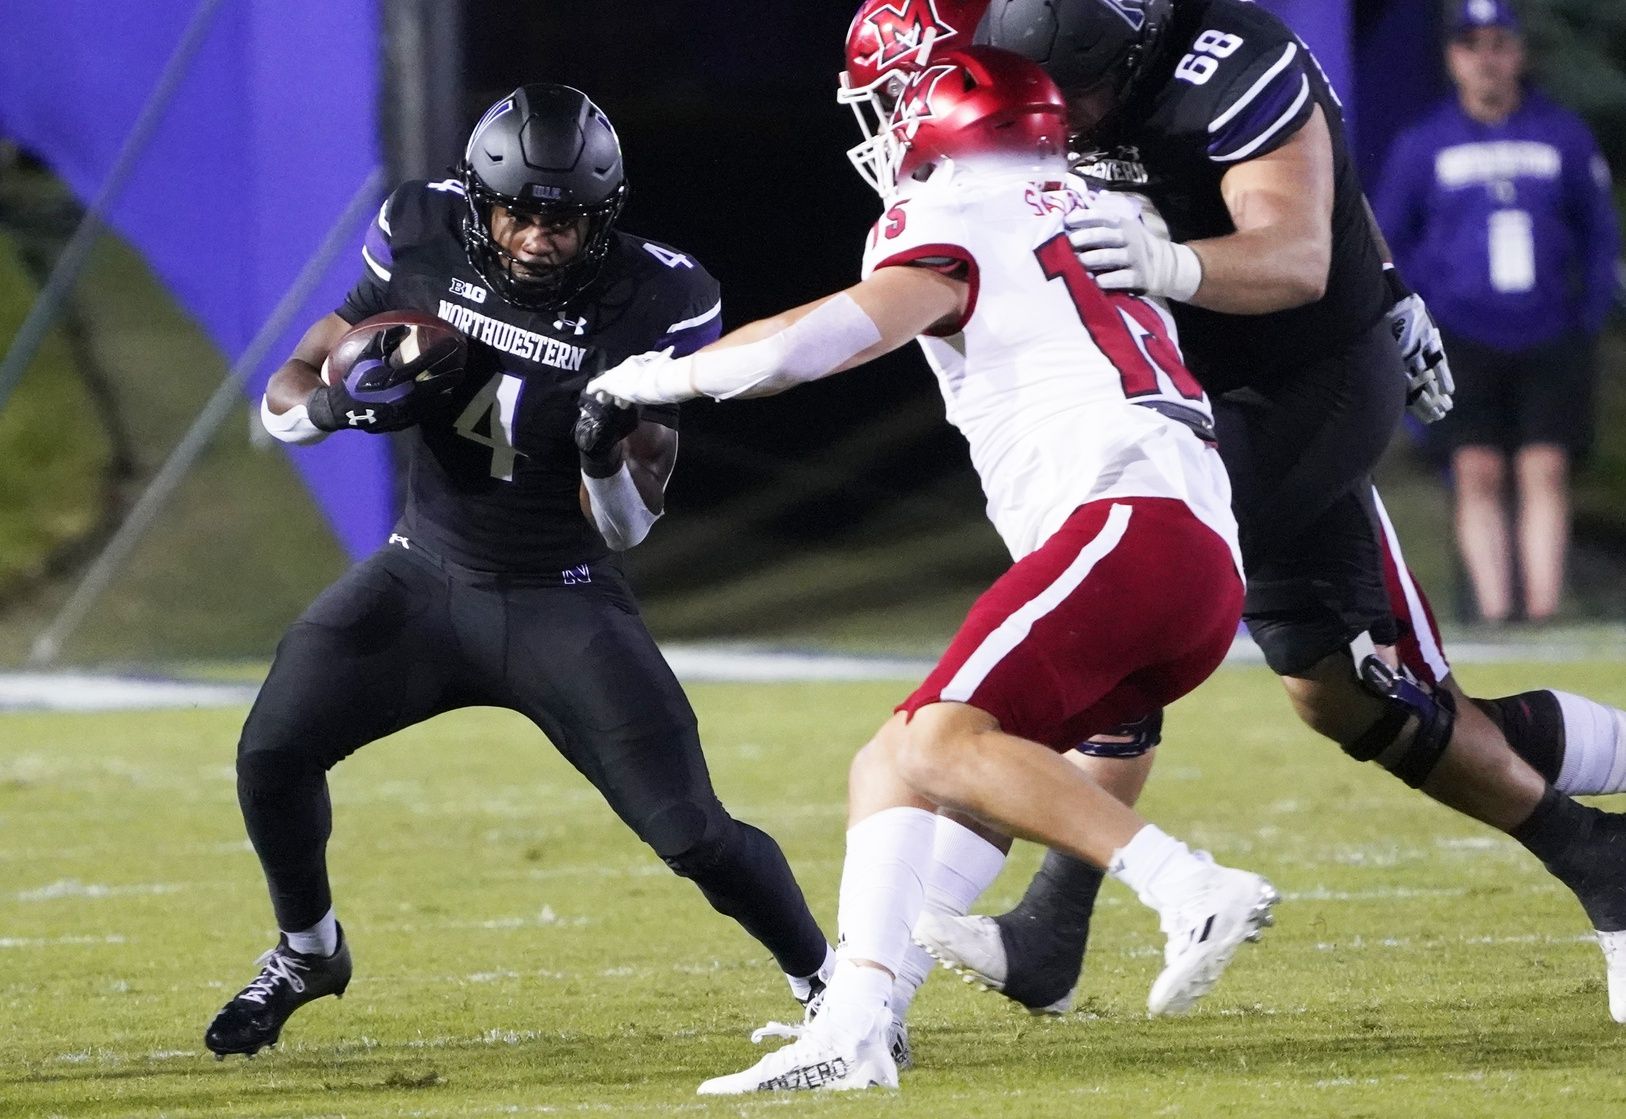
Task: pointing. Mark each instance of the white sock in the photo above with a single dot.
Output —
(321, 939)
(854, 1004)
(964, 864)
(1158, 867)
(1594, 747)
(883, 887)
(801, 985)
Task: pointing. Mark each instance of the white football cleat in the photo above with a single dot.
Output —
(1204, 932)
(897, 1033)
(972, 948)
(813, 1061)
(1614, 960)
(897, 1044)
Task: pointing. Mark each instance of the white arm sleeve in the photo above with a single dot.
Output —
(814, 346)
(293, 426)
(618, 509)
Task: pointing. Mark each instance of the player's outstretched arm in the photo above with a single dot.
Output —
(1281, 252)
(804, 344)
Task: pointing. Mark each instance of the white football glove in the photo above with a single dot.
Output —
(652, 378)
(1428, 375)
(1122, 254)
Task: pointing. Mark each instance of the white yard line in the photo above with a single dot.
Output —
(73, 888)
(52, 941)
(733, 662)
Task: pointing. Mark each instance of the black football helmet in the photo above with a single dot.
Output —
(1084, 45)
(544, 149)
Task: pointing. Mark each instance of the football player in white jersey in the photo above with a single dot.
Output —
(1095, 451)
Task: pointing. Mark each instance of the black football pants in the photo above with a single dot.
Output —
(1300, 455)
(401, 637)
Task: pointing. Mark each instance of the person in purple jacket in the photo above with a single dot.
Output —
(1497, 208)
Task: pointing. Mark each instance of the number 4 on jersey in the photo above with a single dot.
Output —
(668, 257)
(489, 421)
(1128, 330)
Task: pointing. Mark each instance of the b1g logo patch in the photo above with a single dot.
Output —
(472, 292)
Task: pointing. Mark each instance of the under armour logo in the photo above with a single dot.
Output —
(397, 538)
(358, 418)
(576, 575)
(575, 326)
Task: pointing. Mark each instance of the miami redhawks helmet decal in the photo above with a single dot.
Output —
(915, 104)
(903, 28)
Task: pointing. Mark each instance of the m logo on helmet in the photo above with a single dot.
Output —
(915, 103)
(908, 27)
(1132, 11)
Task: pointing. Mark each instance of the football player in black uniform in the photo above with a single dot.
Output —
(496, 588)
(1218, 114)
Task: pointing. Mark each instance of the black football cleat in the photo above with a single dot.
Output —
(287, 981)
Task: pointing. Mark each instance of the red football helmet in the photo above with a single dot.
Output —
(977, 105)
(886, 40)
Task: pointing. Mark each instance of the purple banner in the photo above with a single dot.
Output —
(269, 135)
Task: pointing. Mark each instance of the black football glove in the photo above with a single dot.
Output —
(385, 389)
(600, 427)
(332, 408)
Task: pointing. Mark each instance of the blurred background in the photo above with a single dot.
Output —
(185, 182)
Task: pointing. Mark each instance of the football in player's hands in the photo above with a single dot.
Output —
(385, 370)
(389, 357)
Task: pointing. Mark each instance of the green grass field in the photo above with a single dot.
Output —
(519, 954)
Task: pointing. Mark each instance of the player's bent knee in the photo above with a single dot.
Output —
(1414, 730)
(936, 742)
(267, 773)
(688, 839)
(919, 762)
(871, 763)
(1534, 725)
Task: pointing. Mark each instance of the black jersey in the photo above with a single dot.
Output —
(494, 477)
(1232, 83)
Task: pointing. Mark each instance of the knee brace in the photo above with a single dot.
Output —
(1127, 740)
(1409, 756)
(688, 838)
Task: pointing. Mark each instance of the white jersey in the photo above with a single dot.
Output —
(1066, 394)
